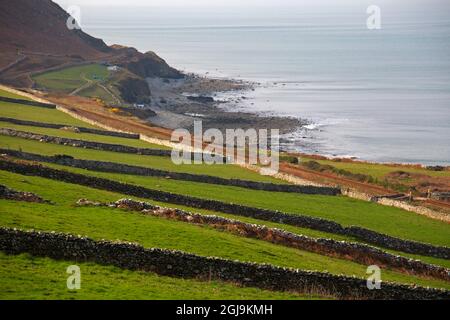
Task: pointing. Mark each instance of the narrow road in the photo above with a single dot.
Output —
(118, 101)
(88, 84)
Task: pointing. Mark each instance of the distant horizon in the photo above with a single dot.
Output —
(249, 3)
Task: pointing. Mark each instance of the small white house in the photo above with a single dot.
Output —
(113, 68)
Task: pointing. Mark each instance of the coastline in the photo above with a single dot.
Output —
(180, 102)
(219, 103)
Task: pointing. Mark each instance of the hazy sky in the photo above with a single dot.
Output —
(205, 3)
(210, 3)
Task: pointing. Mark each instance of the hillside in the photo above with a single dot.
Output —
(43, 30)
(87, 180)
(35, 39)
(236, 223)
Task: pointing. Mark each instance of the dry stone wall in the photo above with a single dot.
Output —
(357, 252)
(143, 171)
(84, 144)
(257, 213)
(87, 144)
(179, 264)
(62, 126)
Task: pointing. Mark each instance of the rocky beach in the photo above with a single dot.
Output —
(179, 102)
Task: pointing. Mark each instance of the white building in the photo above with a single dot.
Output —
(113, 68)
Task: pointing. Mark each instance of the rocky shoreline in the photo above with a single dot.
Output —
(180, 102)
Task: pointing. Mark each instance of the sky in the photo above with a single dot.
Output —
(215, 3)
(203, 3)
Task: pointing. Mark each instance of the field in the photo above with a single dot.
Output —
(101, 223)
(27, 277)
(61, 215)
(69, 79)
(8, 94)
(83, 80)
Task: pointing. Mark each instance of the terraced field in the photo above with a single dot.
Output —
(61, 214)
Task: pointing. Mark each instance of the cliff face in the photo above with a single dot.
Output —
(134, 90)
(151, 65)
(146, 65)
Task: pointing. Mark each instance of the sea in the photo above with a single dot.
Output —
(376, 94)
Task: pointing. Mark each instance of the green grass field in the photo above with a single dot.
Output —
(344, 210)
(113, 224)
(102, 223)
(96, 91)
(341, 209)
(29, 113)
(163, 163)
(27, 277)
(82, 136)
(70, 79)
(8, 94)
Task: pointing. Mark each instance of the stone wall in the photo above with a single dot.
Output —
(143, 171)
(84, 144)
(9, 194)
(397, 204)
(28, 103)
(180, 264)
(417, 209)
(61, 126)
(257, 213)
(352, 251)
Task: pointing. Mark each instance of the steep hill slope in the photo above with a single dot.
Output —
(35, 39)
(40, 26)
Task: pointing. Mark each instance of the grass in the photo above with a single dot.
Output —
(344, 210)
(298, 230)
(23, 112)
(28, 277)
(18, 111)
(162, 163)
(7, 94)
(98, 92)
(69, 79)
(103, 223)
(83, 136)
(376, 170)
(341, 209)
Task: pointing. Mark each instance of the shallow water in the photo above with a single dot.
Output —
(380, 95)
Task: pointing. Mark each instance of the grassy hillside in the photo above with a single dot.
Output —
(24, 112)
(27, 277)
(112, 224)
(163, 163)
(8, 94)
(341, 209)
(344, 210)
(102, 223)
(69, 79)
